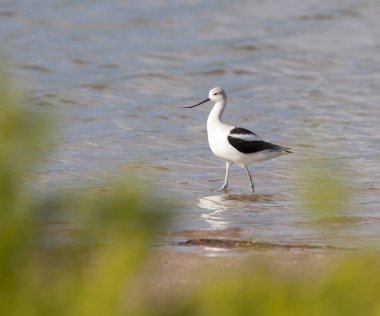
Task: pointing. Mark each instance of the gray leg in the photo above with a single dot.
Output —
(225, 184)
(250, 180)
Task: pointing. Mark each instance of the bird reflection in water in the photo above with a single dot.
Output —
(228, 206)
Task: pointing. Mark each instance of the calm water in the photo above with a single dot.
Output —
(304, 74)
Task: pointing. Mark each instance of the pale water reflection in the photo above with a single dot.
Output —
(224, 206)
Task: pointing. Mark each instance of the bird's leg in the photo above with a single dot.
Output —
(225, 184)
(250, 180)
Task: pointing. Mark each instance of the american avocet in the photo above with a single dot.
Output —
(236, 145)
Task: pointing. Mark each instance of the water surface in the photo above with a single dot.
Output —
(303, 74)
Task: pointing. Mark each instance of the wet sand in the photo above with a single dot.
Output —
(172, 274)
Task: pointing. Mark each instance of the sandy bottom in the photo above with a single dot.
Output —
(170, 273)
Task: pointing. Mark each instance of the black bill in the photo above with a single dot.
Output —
(193, 106)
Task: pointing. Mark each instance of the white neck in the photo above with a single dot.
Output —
(215, 116)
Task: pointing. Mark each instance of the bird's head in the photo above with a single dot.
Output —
(215, 95)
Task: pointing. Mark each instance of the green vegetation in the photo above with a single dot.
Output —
(96, 274)
(89, 277)
(351, 288)
(324, 192)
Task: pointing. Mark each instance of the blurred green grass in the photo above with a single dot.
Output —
(118, 225)
(351, 287)
(119, 220)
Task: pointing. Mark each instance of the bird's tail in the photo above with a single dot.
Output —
(280, 148)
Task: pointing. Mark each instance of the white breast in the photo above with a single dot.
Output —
(218, 141)
(218, 132)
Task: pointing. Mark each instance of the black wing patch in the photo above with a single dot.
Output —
(252, 146)
(242, 131)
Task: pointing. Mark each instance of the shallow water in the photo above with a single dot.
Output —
(303, 74)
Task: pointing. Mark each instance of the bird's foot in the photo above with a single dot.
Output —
(223, 188)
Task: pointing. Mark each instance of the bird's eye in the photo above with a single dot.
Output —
(215, 93)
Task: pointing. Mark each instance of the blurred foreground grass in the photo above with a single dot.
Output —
(96, 276)
(118, 225)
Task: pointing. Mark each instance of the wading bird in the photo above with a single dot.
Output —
(235, 145)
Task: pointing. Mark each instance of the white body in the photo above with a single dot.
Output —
(218, 132)
(236, 146)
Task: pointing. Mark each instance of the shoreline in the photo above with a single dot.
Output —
(173, 273)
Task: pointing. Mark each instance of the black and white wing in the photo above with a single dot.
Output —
(248, 142)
